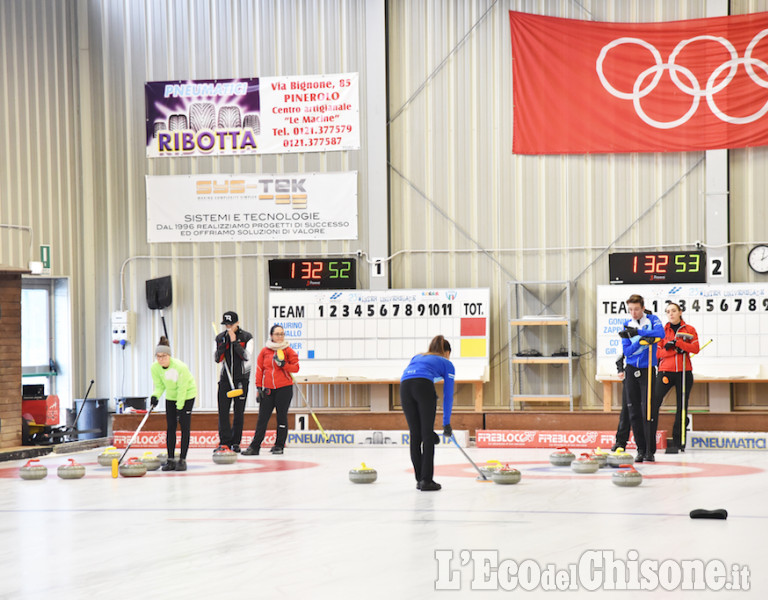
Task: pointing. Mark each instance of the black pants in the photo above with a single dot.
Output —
(279, 400)
(184, 418)
(231, 436)
(636, 381)
(622, 431)
(675, 379)
(419, 401)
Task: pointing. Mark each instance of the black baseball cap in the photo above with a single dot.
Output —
(230, 318)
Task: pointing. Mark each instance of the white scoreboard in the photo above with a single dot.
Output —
(372, 334)
(734, 316)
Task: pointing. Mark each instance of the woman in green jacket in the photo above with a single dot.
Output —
(172, 377)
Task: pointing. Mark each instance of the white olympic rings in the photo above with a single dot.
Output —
(640, 89)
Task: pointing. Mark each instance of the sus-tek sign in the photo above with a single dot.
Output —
(491, 438)
(252, 208)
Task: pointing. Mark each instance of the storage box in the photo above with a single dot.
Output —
(44, 412)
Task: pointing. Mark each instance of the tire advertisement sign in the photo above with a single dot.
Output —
(252, 207)
(265, 115)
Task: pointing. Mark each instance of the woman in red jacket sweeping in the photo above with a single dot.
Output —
(674, 354)
(274, 385)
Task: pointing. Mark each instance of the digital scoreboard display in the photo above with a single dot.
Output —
(658, 267)
(313, 274)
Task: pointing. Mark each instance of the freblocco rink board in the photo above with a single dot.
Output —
(372, 334)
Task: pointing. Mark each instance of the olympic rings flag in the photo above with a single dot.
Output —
(588, 87)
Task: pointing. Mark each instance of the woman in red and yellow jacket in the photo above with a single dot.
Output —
(274, 385)
(674, 354)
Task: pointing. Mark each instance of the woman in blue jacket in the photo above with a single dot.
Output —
(419, 401)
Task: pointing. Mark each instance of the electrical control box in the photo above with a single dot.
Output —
(123, 327)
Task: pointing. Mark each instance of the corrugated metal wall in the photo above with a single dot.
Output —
(748, 217)
(81, 68)
(464, 210)
(204, 39)
(456, 185)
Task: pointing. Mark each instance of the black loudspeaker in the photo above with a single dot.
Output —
(159, 293)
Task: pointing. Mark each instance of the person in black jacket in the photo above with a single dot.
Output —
(234, 347)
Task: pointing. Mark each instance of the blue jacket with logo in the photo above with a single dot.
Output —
(649, 326)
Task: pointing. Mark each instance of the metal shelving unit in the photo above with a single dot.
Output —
(540, 316)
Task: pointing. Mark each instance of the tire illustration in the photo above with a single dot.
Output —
(177, 122)
(252, 121)
(229, 117)
(202, 115)
(158, 126)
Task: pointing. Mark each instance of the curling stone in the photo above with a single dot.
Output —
(363, 474)
(152, 462)
(33, 471)
(619, 458)
(105, 458)
(628, 477)
(490, 467)
(133, 467)
(562, 458)
(601, 456)
(224, 456)
(71, 471)
(163, 458)
(585, 464)
(506, 475)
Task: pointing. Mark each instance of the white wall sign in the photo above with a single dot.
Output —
(734, 316)
(372, 334)
(248, 208)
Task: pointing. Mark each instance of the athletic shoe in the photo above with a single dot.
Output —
(235, 448)
(640, 457)
(218, 448)
(650, 458)
(250, 451)
(276, 450)
(181, 465)
(418, 485)
(430, 486)
(170, 465)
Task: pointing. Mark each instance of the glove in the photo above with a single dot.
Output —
(679, 350)
(447, 430)
(670, 345)
(153, 401)
(620, 364)
(624, 334)
(631, 330)
(436, 438)
(259, 395)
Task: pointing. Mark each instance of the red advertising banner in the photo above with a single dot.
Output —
(519, 438)
(588, 87)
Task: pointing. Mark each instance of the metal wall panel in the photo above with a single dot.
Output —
(467, 212)
(748, 218)
(78, 69)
